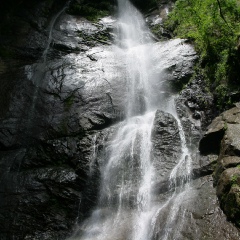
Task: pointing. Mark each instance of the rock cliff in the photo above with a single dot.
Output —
(61, 100)
(222, 138)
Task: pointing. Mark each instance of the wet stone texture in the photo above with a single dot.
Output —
(194, 107)
(201, 216)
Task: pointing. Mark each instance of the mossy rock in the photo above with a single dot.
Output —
(232, 204)
(228, 191)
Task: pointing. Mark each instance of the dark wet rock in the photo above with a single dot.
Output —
(102, 36)
(65, 48)
(47, 182)
(166, 142)
(45, 152)
(210, 143)
(194, 107)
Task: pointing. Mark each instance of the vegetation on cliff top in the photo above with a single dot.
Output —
(92, 10)
(214, 27)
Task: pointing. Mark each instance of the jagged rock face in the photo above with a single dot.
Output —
(223, 137)
(202, 215)
(44, 150)
(194, 107)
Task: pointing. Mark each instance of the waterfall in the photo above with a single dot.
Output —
(127, 208)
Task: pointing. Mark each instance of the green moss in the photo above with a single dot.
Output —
(232, 203)
(103, 37)
(68, 102)
(225, 126)
(156, 30)
(234, 179)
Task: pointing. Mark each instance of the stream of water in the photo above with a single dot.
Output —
(127, 208)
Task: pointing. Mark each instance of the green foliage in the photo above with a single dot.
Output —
(144, 5)
(214, 27)
(234, 179)
(91, 10)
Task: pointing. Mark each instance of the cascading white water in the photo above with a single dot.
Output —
(127, 209)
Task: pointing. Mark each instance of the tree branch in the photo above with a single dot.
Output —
(221, 14)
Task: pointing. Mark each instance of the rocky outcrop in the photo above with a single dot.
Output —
(223, 137)
(166, 149)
